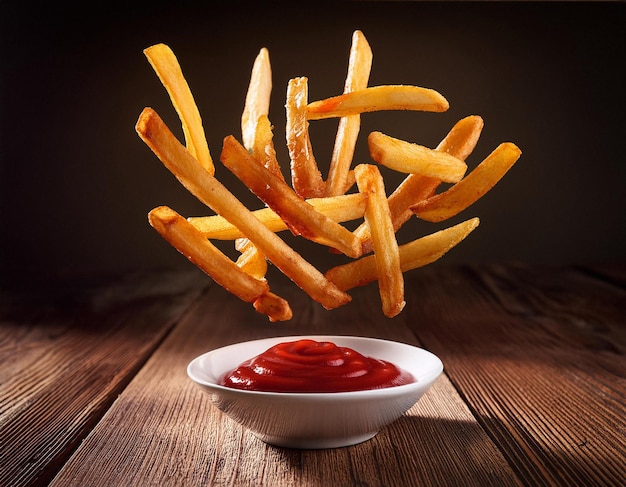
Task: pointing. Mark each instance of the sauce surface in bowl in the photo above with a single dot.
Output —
(314, 366)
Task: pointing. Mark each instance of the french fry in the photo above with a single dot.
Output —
(410, 158)
(301, 218)
(339, 208)
(305, 175)
(459, 142)
(417, 253)
(275, 307)
(263, 147)
(471, 188)
(257, 98)
(201, 252)
(168, 70)
(359, 66)
(212, 193)
(386, 254)
(377, 98)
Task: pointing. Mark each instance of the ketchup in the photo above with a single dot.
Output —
(312, 366)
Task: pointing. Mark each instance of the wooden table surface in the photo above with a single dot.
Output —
(94, 391)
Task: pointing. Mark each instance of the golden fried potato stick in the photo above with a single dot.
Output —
(212, 193)
(301, 218)
(471, 188)
(459, 142)
(168, 70)
(417, 253)
(263, 147)
(386, 254)
(257, 137)
(251, 260)
(306, 178)
(339, 208)
(359, 67)
(410, 158)
(192, 244)
(257, 98)
(377, 98)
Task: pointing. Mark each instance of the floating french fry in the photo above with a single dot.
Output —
(471, 188)
(168, 69)
(339, 208)
(386, 255)
(306, 178)
(410, 158)
(378, 98)
(418, 253)
(359, 66)
(263, 147)
(212, 193)
(257, 98)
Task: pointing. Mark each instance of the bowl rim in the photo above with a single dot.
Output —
(421, 381)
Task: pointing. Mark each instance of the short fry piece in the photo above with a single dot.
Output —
(257, 98)
(301, 218)
(212, 193)
(471, 188)
(359, 66)
(306, 178)
(377, 98)
(188, 241)
(417, 253)
(275, 307)
(339, 208)
(412, 158)
(168, 70)
(386, 254)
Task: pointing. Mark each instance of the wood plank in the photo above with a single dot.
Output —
(163, 431)
(68, 346)
(538, 356)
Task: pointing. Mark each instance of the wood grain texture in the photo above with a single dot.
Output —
(163, 431)
(68, 347)
(539, 357)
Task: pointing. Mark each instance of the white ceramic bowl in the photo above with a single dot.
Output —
(316, 420)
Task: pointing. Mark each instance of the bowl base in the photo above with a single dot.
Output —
(315, 443)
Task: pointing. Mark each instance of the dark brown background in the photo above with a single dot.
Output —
(76, 182)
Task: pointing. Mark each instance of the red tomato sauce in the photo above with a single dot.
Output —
(313, 366)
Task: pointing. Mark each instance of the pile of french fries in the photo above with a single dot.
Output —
(310, 206)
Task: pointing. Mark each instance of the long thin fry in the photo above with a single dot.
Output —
(417, 253)
(168, 70)
(359, 67)
(459, 142)
(478, 182)
(183, 236)
(377, 98)
(301, 218)
(386, 255)
(211, 192)
(306, 178)
(339, 208)
(257, 98)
